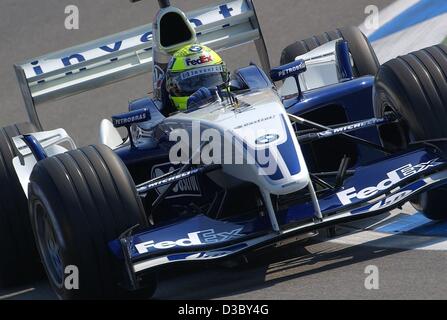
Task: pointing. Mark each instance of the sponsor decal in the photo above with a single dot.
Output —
(199, 61)
(49, 64)
(171, 179)
(195, 49)
(271, 137)
(188, 187)
(292, 70)
(247, 124)
(208, 236)
(205, 70)
(158, 76)
(348, 128)
(207, 255)
(140, 117)
(389, 201)
(393, 178)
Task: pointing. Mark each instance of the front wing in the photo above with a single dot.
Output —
(372, 190)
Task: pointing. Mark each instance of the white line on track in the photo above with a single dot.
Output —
(428, 32)
(419, 36)
(388, 14)
(392, 232)
(393, 241)
(15, 294)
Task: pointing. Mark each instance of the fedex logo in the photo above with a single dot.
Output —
(393, 178)
(201, 60)
(193, 239)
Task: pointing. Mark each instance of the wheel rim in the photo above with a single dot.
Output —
(49, 246)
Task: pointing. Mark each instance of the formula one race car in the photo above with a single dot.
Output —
(348, 139)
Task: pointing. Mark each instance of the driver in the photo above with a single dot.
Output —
(193, 72)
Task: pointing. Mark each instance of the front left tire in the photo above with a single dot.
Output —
(80, 201)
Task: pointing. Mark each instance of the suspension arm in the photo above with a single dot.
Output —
(342, 131)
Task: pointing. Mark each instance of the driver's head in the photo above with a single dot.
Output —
(191, 68)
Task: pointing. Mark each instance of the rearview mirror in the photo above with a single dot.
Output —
(128, 118)
(292, 69)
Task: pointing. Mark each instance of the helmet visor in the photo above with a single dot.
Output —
(182, 84)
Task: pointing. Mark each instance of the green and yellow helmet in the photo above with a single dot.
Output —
(191, 68)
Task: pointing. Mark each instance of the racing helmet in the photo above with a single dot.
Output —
(191, 68)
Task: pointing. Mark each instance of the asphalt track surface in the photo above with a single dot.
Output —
(321, 269)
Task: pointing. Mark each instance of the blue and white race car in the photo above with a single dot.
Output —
(345, 138)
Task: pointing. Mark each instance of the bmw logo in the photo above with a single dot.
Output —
(195, 49)
(267, 138)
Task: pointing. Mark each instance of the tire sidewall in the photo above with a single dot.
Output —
(80, 226)
(46, 197)
(399, 87)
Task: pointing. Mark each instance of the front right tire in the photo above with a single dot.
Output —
(414, 87)
(363, 55)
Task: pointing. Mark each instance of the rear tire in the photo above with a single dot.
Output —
(19, 261)
(365, 59)
(414, 86)
(79, 202)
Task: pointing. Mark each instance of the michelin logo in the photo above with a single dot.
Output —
(188, 187)
(193, 239)
(394, 177)
(347, 128)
